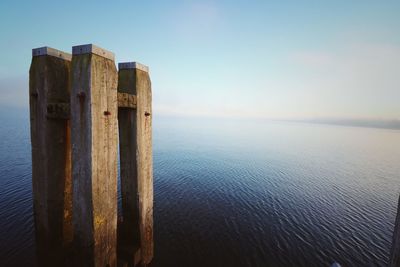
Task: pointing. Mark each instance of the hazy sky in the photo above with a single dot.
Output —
(272, 59)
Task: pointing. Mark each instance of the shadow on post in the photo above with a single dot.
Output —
(74, 106)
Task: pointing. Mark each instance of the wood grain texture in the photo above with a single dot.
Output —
(136, 162)
(129, 227)
(49, 82)
(94, 159)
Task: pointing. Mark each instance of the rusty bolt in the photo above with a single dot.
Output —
(147, 114)
(81, 95)
(107, 113)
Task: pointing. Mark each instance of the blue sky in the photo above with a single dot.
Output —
(251, 59)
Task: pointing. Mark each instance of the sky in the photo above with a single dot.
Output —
(247, 59)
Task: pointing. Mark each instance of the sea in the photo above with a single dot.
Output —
(241, 192)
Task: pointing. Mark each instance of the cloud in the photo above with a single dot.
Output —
(196, 20)
(313, 59)
(354, 80)
(349, 81)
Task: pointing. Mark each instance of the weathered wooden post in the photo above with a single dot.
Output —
(395, 251)
(136, 163)
(94, 155)
(49, 89)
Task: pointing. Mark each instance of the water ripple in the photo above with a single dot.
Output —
(267, 195)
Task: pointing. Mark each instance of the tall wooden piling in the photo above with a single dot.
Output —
(136, 163)
(49, 96)
(94, 155)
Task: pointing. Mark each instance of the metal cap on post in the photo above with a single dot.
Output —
(94, 155)
(48, 51)
(92, 49)
(133, 65)
(49, 95)
(135, 127)
(74, 105)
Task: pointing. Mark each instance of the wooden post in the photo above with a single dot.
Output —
(136, 163)
(94, 155)
(395, 251)
(49, 95)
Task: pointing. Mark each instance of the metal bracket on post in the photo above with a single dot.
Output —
(49, 91)
(76, 106)
(58, 111)
(126, 100)
(136, 165)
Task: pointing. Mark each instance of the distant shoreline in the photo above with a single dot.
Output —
(379, 124)
(394, 124)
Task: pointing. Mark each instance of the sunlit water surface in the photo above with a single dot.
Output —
(242, 193)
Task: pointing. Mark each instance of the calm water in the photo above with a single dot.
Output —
(242, 193)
